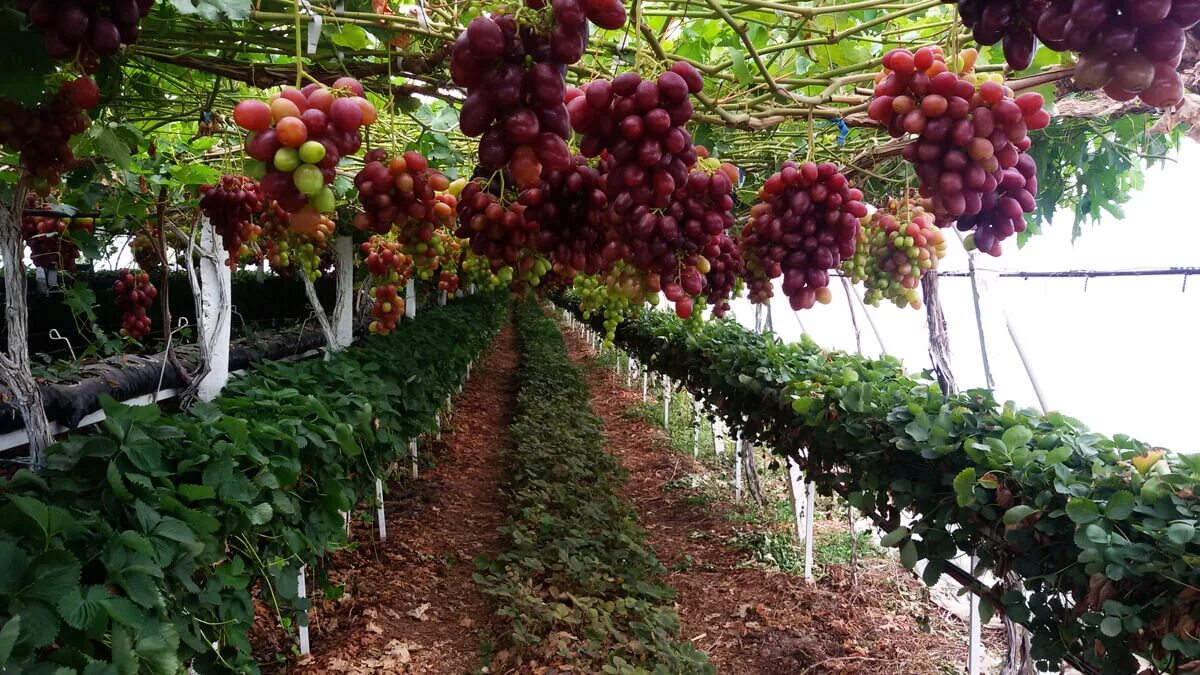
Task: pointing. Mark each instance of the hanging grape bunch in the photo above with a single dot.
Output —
(50, 244)
(567, 210)
(135, 294)
(639, 124)
(725, 270)
(232, 206)
(805, 223)
(512, 69)
(299, 137)
(476, 269)
(286, 246)
(42, 134)
(402, 191)
(615, 294)
(972, 139)
(146, 251)
(492, 220)
(85, 29)
(1129, 48)
(897, 245)
(390, 269)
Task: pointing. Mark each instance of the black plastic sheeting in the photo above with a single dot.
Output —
(133, 376)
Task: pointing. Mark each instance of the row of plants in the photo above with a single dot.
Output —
(1098, 536)
(577, 584)
(141, 548)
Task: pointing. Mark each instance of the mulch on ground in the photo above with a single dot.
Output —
(752, 620)
(410, 604)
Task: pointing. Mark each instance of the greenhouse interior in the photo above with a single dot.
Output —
(758, 337)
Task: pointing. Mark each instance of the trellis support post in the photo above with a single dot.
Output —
(302, 617)
(380, 513)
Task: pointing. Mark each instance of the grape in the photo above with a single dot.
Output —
(135, 294)
(313, 128)
(970, 153)
(146, 251)
(1122, 43)
(49, 249)
(286, 246)
(566, 209)
(86, 29)
(895, 247)
(390, 270)
(41, 135)
(513, 71)
(231, 206)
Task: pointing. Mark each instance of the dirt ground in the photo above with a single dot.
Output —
(410, 604)
(752, 620)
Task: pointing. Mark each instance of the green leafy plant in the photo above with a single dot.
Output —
(138, 546)
(578, 583)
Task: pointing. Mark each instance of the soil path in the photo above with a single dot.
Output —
(754, 621)
(411, 605)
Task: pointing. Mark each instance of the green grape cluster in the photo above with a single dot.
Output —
(896, 246)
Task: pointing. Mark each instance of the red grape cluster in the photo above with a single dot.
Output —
(300, 136)
(513, 73)
(639, 124)
(448, 281)
(232, 206)
(135, 294)
(567, 212)
(391, 269)
(970, 152)
(85, 29)
(1130, 48)
(804, 224)
(48, 248)
(42, 134)
(497, 231)
(726, 268)
(401, 190)
(286, 246)
(896, 246)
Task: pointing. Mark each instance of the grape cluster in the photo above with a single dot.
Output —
(401, 190)
(1130, 48)
(232, 206)
(146, 251)
(48, 248)
(135, 294)
(476, 269)
(513, 73)
(442, 249)
(639, 124)
(896, 246)
(567, 212)
(494, 229)
(42, 134)
(972, 140)
(725, 269)
(85, 29)
(299, 137)
(805, 223)
(615, 294)
(286, 246)
(390, 269)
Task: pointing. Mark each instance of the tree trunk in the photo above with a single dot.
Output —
(939, 338)
(216, 312)
(322, 319)
(14, 365)
(751, 474)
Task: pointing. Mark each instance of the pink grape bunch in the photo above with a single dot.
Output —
(513, 70)
(41, 135)
(804, 224)
(85, 29)
(1129, 48)
(971, 145)
(298, 138)
(396, 191)
(567, 210)
(897, 245)
(135, 294)
(232, 205)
